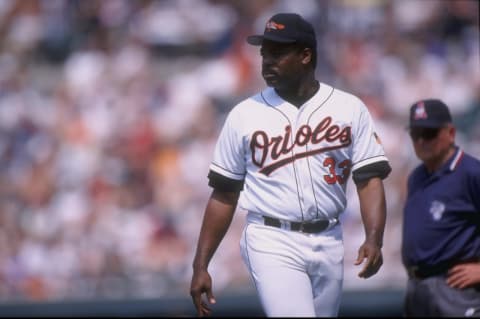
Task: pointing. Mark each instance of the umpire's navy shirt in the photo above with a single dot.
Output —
(442, 213)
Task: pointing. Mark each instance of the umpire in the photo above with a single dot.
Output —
(441, 226)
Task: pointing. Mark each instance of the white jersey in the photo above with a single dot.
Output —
(295, 162)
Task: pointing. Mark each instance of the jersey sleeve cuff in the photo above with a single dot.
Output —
(224, 183)
(377, 169)
(369, 161)
(222, 171)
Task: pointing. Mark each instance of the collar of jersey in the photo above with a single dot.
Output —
(450, 165)
(273, 99)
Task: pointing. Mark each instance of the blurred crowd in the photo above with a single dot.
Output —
(109, 112)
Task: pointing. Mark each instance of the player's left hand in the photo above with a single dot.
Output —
(373, 254)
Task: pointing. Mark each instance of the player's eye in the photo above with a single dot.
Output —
(275, 54)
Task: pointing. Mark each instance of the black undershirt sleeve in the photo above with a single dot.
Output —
(223, 183)
(379, 169)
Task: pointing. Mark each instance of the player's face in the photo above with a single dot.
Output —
(283, 65)
(432, 144)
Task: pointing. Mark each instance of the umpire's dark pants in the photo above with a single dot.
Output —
(433, 297)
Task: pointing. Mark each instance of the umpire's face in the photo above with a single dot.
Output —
(284, 65)
(432, 145)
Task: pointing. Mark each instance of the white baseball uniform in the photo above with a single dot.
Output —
(294, 164)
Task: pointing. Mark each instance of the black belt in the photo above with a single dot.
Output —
(422, 272)
(425, 272)
(304, 227)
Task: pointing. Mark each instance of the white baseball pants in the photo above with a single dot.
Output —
(295, 274)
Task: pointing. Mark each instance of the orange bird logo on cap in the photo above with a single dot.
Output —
(272, 25)
(420, 112)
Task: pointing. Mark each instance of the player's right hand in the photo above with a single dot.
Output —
(202, 284)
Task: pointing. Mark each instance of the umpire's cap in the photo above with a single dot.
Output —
(429, 113)
(286, 28)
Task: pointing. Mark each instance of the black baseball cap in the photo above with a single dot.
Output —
(431, 113)
(286, 28)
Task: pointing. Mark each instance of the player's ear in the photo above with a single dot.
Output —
(307, 55)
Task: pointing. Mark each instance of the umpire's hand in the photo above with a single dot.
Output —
(202, 284)
(373, 253)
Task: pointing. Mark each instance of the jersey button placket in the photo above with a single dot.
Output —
(308, 198)
(298, 177)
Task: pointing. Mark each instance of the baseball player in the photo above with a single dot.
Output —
(289, 151)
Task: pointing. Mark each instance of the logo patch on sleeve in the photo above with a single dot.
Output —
(379, 141)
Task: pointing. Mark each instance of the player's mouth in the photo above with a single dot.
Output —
(268, 71)
(269, 76)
